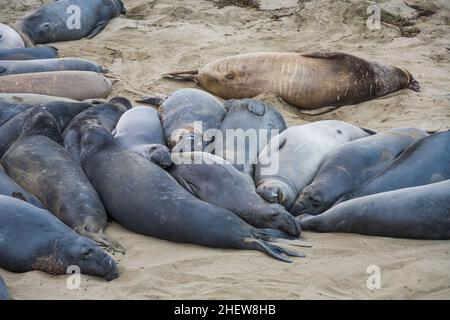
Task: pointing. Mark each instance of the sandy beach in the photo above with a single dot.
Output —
(159, 36)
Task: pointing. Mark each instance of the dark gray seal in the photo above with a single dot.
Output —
(4, 292)
(8, 67)
(51, 22)
(426, 161)
(45, 52)
(348, 167)
(38, 163)
(139, 130)
(33, 239)
(416, 213)
(212, 179)
(9, 38)
(158, 206)
(9, 110)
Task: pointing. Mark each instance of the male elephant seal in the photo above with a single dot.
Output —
(67, 20)
(426, 161)
(47, 65)
(181, 110)
(29, 53)
(158, 206)
(417, 213)
(77, 85)
(245, 131)
(38, 163)
(214, 180)
(349, 166)
(104, 114)
(33, 239)
(4, 292)
(139, 130)
(307, 81)
(9, 38)
(290, 160)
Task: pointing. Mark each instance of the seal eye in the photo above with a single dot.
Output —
(230, 75)
(315, 202)
(86, 254)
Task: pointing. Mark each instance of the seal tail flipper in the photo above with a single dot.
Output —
(272, 250)
(102, 239)
(187, 75)
(151, 100)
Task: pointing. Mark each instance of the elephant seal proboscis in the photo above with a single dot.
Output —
(306, 81)
(38, 163)
(8, 67)
(416, 213)
(214, 180)
(67, 20)
(45, 52)
(4, 292)
(290, 160)
(140, 130)
(104, 114)
(9, 38)
(77, 85)
(245, 131)
(33, 239)
(349, 166)
(165, 209)
(424, 162)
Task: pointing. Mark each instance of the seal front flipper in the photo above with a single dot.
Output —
(98, 28)
(102, 239)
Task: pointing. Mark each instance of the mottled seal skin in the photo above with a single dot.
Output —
(33, 239)
(50, 23)
(246, 118)
(4, 292)
(45, 52)
(77, 85)
(106, 115)
(63, 112)
(212, 179)
(307, 81)
(38, 163)
(415, 213)
(9, 38)
(165, 209)
(140, 130)
(48, 65)
(179, 112)
(349, 166)
(300, 150)
(424, 162)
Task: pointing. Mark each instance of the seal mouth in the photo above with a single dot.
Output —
(111, 270)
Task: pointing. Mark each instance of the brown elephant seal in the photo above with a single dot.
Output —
(77, 85)
(306, 81)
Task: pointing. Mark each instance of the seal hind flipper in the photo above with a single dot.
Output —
(98, 28)
(273, 250)
(151, 100)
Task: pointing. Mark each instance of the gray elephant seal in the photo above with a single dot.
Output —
(348, 167)
(212, 179)
(32, 99)
(245, 131)
(416, 213)
(47, 65)
(139, 130)
(9, 110)
(426, 161)
(33, 239)
(39, 164)
(9, 38)
(4, 292)
(165, 210)
(293, 158)
(29, 53)
(57, 21)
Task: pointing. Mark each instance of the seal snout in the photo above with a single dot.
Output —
(111, 269)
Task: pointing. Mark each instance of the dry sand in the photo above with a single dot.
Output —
(160, 36)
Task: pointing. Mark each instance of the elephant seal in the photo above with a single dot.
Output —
(245, 130)
(139, 130)
(39, 164)
(33, 239)
(9, 110)
(349, 166)
(105, 114)
(8, 187)
(424, 162)
(31, 99)
(9, 38)
(214, 180)
(179, 113)
(290, 160)
(307, 81)
(29, 53)
(77, 85)
(164, 210)
(63, 112)
(47, 65)
(4, 292)
(67, 20)
(415, 213)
